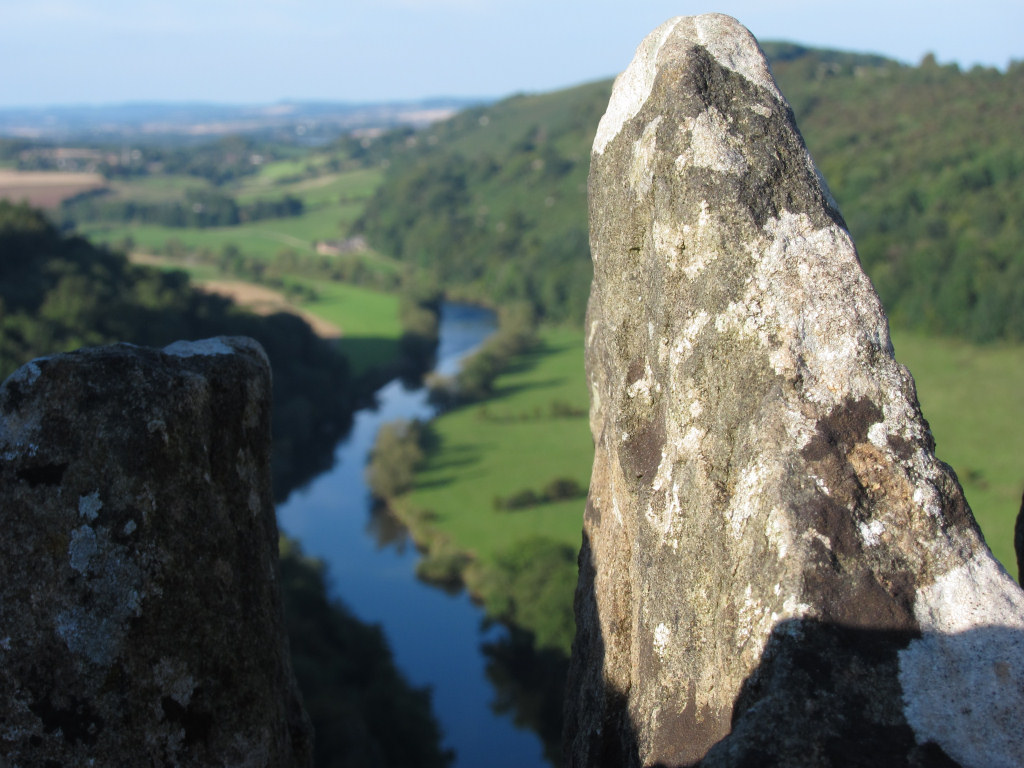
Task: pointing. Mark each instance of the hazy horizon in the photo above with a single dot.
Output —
(80, 53)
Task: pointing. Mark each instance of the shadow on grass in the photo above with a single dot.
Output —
(367, 352)
(468, 458)
(528, 360)
(439, 482)
(511, 389)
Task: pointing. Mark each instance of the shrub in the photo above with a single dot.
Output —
(393, 460)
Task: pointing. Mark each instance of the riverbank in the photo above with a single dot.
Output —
(484, 508)
(436, 637)
(513, 442)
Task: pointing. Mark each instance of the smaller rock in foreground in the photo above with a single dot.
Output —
(140, 616)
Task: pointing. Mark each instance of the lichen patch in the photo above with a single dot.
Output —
(745, 500)
(662, 635)
(89, 506)
(206, 347)
(669, 243)
(735, 48)
(641, 174)
(711, 145)
(633, 87)
(81, 548)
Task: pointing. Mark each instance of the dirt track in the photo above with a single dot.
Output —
(46, 189)
(266, 301)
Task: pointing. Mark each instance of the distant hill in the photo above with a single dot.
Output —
(495, 200)
(925, 161)
(306, 120)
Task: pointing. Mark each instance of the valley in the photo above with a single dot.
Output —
(363, 234)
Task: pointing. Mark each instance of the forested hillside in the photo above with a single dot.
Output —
(59, 293)
(494, 201)
(925, 162)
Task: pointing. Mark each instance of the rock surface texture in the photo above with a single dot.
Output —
(140, 615)
(776, 569)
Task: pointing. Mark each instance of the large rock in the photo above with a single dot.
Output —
(776, 568)
(140, 615)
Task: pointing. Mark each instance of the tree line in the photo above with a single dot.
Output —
(200, 208)
(58, 293)
(925, 162)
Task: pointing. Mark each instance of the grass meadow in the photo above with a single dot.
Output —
(368, 320)
(969, 394)
(332, 204)
(509, 444)
(972, 398)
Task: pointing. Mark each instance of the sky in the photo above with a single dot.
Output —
(56, 52)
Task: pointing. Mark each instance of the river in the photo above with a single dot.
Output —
(436, 637)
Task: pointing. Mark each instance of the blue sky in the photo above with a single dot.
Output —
(261, 51)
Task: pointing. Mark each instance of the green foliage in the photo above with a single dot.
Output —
(443, 564)
(287, 263)
(518, 500)
(362, 151)
(330, 201)
(58, 293)
(419, 309)
(218, 162)
(475, 379)
(198, 209)
(925, 162)
(494, 201)
(393, 460)
(363, 710)
(927, 167)
(559, 489)
(528, 585)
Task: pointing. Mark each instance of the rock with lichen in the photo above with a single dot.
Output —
(140, 616)
(776, 569)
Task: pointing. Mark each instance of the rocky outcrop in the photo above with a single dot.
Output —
(776, 568)
(140, 615)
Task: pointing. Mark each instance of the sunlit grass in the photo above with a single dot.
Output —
(513, 445)
(973, 399)
(971, 395)
(333, 202)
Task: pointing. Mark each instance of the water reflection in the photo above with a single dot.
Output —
(529, 685)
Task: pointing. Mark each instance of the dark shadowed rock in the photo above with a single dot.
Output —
(776, 569)
(140, 616)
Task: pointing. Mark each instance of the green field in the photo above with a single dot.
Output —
(317, 190)
(368, 320)
(155, 189)
(972, 398)
(513, 445)
(970, 395)
(332, 202)
(259, 240)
